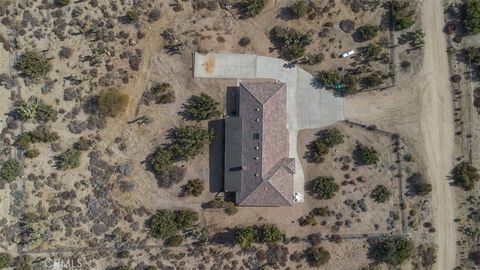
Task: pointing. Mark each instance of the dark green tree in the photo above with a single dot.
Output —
(367, 155)
(317, 256)
(162, 224)
(271, 233)
(193, 188)
(381, 194)
(393, 251)
(298, 9)
(368, 31)
(189, 141)
(69, 159)
(331, 137)
(324, 187)
(202, 107)
(290, 43)
(465, 175)
(245, 237)
(251, 8)
(472, 18)
(10, 170)
(329, 78)
(5, 260)
(185, 218)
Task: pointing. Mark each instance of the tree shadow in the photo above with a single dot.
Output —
(285, 13)
(216, 156)
(232, 101)
(227, 237)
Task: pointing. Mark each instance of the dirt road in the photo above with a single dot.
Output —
(437, 130)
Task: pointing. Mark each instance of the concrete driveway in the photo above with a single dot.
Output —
(308, 106)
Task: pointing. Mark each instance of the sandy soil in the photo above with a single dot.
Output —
(437, 129)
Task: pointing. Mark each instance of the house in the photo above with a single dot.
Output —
(257, 167)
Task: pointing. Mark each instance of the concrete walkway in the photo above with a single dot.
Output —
(308, 106)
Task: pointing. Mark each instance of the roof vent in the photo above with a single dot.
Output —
(256, 174)
(258, 119)
(257, 158)
(257, 109)
(256, 147)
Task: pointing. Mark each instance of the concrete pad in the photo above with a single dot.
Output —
(307, 106)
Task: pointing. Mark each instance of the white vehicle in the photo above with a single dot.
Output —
(347, 54)
(297, 196)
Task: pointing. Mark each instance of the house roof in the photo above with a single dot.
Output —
(266, 172)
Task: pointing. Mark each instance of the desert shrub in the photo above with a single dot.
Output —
(45, 112)
(83, 144)
(419, 184)
(277, 255)
(162, 224)
(368, 31)
(174, 241)
(456, 78)
(324, 187)
(69, 159)
(230, 208)
(62, 3)
(308, 220)
(271, 233)
(329, 78)
(33, 65)
(331, 137)
(163, 93)
(472, 18)
(366, 155)
(193, 188)
(154, 15)
(189, 141)
(5, 260)
(393, 251)
(320, 211)
(318, 150)
(43, 134)
(202, 107)
(23, 141)
(245, 237)
(381, 194)
(475, 257)
(428, 255)
(313, 59)
(10, 170)
(372, 52)
(32, 153)
(317, 256)
(185, 218)
(26, 110)
(298, 9)
(173, 175)
(123, 254)
(402, 14)
(465, 175)
(244, 41)
(251, 8)
(133, 15)
(112, 102)
(372, 80)
(290, 43)
(161, 160)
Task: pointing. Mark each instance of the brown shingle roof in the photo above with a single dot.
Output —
(267, 177)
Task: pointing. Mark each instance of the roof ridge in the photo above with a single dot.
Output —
(250, 93)
(262, 103)
(276, 92)
(280, 164)
(267, 182)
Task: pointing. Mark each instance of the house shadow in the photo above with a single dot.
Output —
(216, 153)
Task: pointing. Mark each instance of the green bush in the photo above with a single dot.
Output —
(43, 134)
(133, 15)
(112, 102)
(299, 9)
(189, 141)
(32, 153)
(62, 3)
(368, 32)
(162, 93)
(307, 220)
(162, 224)
(317, 256)
(245, 237)
(230, 208)
(329, 78)
(174, 241)
(325, 187)
(381, 194)
(45, 112)
(393, 251)
(472, 18)
(313, 59)
(402, 14)
(11, 169)
(367, 155)
(318, 150)
(372, 52)
(290, 43)
(26, 110)
(419, 184)
(193, 188)
(23, 141)
(251, 8)
(161, 160)
(5, 260)
(270, 233)
(33, 65)
(185, 218)
(202, 107)
(331, 137)
(69, 159)
(465, 175)
(372, 80)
